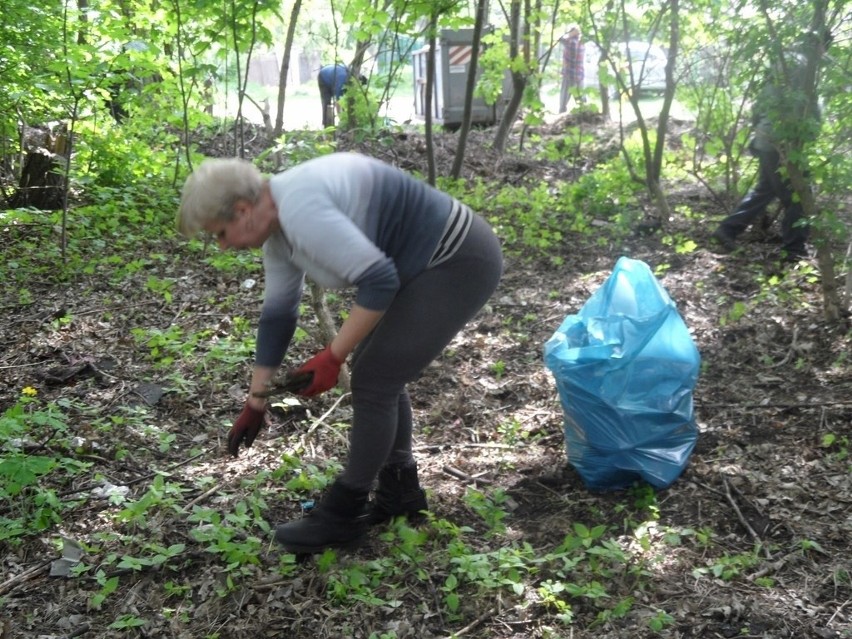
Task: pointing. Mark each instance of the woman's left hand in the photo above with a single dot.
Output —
(246, 428)
(326, 370)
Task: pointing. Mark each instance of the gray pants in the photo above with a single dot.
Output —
(423, 318)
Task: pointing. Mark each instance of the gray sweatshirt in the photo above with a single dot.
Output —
(783, 110)
(350, 221)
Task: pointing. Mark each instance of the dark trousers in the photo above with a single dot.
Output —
(327, 98)
(423, 318)
(770, 185)
(567, 90)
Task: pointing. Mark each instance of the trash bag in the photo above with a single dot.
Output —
(625, 367)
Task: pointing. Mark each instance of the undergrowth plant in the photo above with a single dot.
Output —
(36, 445)
(587, 572)
(836, 445)
(535, 220)
(788, 290)
(200, 350)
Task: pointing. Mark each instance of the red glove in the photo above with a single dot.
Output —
(325, 368)
(245, 429)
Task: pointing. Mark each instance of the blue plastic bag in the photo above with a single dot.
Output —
(625, 367)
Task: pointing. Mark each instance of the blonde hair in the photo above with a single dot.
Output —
(212, 190)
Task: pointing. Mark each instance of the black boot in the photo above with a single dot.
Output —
(398, 494)
(338, 521)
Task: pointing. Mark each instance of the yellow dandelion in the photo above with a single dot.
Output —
(30, 391)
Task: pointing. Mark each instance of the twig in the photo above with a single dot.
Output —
(743, 520)
(15, 581)
(473, 624)
(494, 446)
(743, 497)
(437, 448)
(775, 566)
(838, 611)
(79, 631)
(770, 405)
(555, 493)
(21, 365)
(170, 468)
(204, 495)
(706, 487)
(790, 351)
(180, 311)
(323, 417)
(93, 484)
(458, 474)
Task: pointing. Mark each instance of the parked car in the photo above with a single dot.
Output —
(647, 62)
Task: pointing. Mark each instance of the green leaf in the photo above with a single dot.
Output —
(127, 621)
(452, 600)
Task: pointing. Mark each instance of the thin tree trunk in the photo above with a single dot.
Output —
(654, 163)
(656, 168)
(519, 80)
(327, 326)
(831, 306)
(430, 87)
(796, 171)
(467, 115)
(801, 184)
(242, 79)
(285, 67)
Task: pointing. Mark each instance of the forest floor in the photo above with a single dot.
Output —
(753, 540)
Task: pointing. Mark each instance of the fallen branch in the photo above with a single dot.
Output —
(773, 567)
(793, 348)
(492, 446)
(706, 487)
(458, 474)
(204, 495)
(94, 484)
(24, 365)
(743, 520)
(473, 624)
(437, 448)
(323, 417)
(14, 582)
(769, 405)
(79, 631)
(838, 611)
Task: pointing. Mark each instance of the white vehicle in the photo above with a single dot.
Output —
(647, 66)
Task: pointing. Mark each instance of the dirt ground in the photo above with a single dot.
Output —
(769, 479)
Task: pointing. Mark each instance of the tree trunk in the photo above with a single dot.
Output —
(242, 78)
(285, 67)
(656, 169)
(792, 147)
(825, 258)
(519, 80)
(430, 88)
(467, 115)
(327, 327)
(41, 185)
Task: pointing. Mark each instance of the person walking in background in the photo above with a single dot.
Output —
(782, 100)
(572, 67)
(422, 265)
(332, 79)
